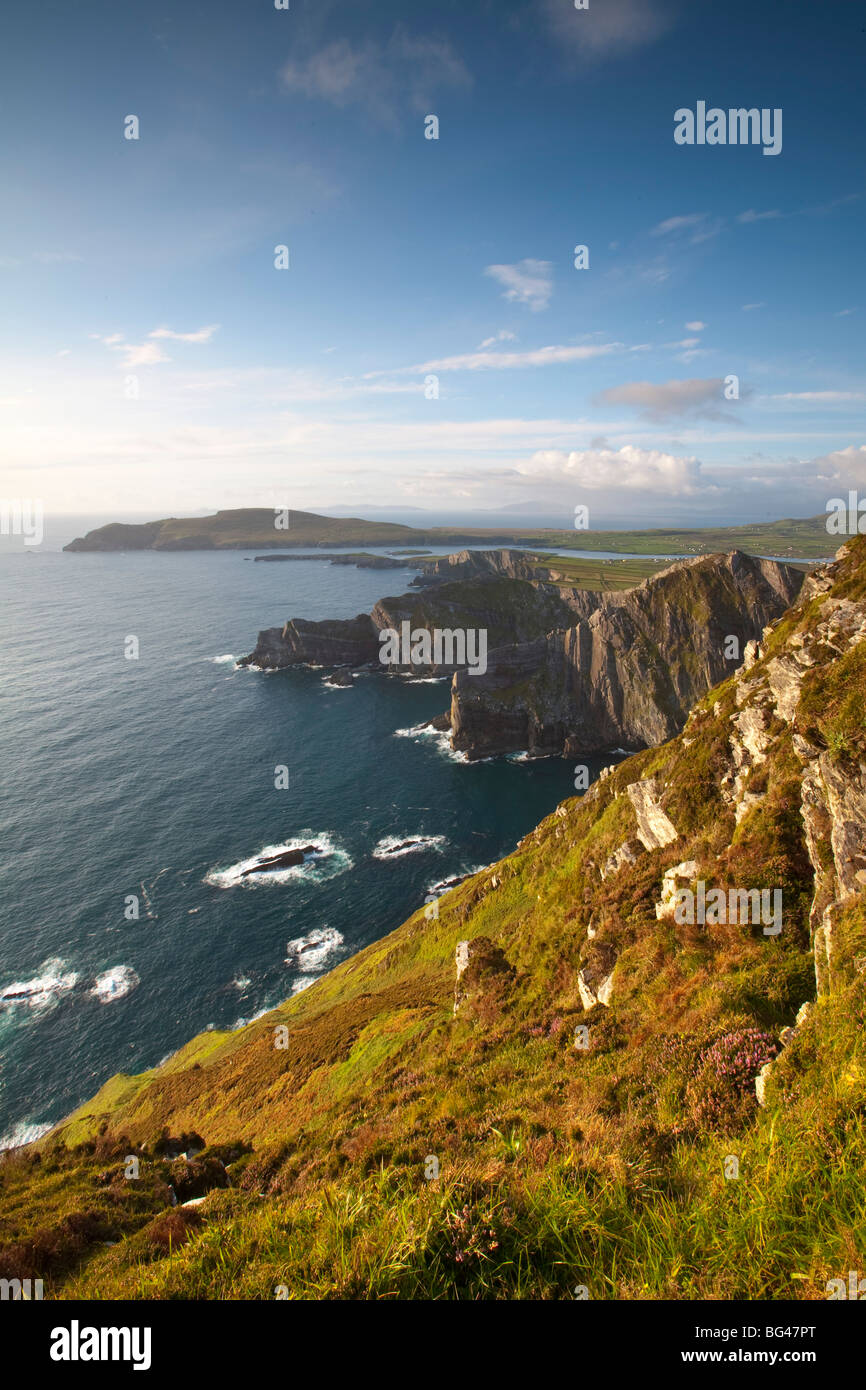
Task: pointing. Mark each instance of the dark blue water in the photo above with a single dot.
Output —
(155, 778)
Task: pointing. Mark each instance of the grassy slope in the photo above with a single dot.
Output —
(254, 527)
(559, 1167)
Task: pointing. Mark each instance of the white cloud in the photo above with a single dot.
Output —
(381, 78)
(678, 224)
(503, 336)
(696, 326)
(747, 308)
(141, 354)
(201, 335)
(843, 313)
(554, 355)
(528, 282)
(641, 470)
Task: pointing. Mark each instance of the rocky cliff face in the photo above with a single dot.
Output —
(471, 564)
(627, 672)
(509, 610)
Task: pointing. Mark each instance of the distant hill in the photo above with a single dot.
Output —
(248, 528)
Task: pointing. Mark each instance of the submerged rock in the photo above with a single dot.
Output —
(286, 859)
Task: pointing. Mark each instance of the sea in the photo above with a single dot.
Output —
(135, 790)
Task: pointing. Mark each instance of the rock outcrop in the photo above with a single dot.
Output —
(508, 610)
(629, 669)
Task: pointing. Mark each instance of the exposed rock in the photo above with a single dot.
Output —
(628, 853)
(685, 872)
(761, 1083)
(341, 678)
(654, 828)
(349, 642)
(627, 669)
(595, 979)
(751, 654)
(286, 859)
(472, 564)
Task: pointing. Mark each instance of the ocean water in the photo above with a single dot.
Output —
(155, 778)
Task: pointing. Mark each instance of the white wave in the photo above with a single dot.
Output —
(244, 1022)
(526, 757)
(309, 953)
(114, 984)
(304, 983)
(44, 989)
(223, 660)
(387, 848)
(24, 1132)
(327, 864)
(241, 982)
(436, 890)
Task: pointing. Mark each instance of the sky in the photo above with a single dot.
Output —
(431, 346)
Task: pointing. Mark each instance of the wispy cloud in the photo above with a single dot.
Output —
(503, 336)
(609, 29)
(819, 397)
(528, 282)
(678, 224)
(697, 396)
(382, 78)
(554, 355)
(150, 354)
(751, 216)
(200, 335)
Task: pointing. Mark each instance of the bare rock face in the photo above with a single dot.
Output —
(471, 564)
(595, 979)
(628, 668)
(349, 642)
(686, 872)
(654, 827)
(507, 607)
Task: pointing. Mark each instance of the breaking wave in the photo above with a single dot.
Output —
(329, 861)
(309, 953)
(395, 846)
(44, 989)
(114, 984)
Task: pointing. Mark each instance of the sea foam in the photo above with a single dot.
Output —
(327, 864)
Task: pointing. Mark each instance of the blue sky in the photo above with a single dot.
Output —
(155, 361)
